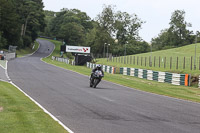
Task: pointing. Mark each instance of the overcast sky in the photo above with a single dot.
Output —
(156, 13)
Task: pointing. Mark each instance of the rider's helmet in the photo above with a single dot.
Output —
(98, 67)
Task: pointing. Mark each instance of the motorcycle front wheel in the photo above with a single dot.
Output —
(95, 82)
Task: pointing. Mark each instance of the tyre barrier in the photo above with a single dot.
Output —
(163, 77)
(65, 60)
(108, 69)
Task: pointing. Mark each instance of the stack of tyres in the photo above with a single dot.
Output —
(1, 57)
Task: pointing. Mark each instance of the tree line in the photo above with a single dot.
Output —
(23, 20)
(111, 27)
(20, 22)
(118, 29)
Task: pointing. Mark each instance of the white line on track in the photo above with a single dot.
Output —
(47, 112)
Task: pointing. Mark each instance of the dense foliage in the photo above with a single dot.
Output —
(20, 22)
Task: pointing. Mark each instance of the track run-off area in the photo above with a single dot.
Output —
(109, 108)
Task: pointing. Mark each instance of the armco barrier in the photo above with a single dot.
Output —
(108, 69)
(163, 77)
(67, 61)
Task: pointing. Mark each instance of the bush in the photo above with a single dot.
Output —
(27, 40)
(3, 42)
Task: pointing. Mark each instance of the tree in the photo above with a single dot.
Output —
(121, 26)
(31, 18)
(71, 25)
(10, 26)
(176, 35)
(72, 33)
(21, 20)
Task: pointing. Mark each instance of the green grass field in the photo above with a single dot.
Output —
(181, 92)
(181, 52)
(18, 114)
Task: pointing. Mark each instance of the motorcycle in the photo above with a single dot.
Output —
(97, 78)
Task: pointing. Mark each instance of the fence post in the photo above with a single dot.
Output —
(199, 62)
(145, 61)
(134, 60)
(127, 59)
(184, 62)
(137, 59)
(131, 59)
(150, 61)
(159, 61)
(191, 63)
(154, 61)
(141, 60)
(177, 63)
(165, 62)
(170, 62)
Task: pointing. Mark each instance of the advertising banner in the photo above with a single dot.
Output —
(78, 49)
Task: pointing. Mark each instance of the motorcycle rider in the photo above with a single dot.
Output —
(98, 67)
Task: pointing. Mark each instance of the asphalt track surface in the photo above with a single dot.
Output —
(109, 108)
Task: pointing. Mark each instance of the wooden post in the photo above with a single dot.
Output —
(184, 62)
(134, 60)
(131, 59)
(177, 62)
(127, 59)
(145, 61)
(199, 62)
(141, 60)
(191, 64)
(165, 62)
(137, 59)
(154, 61)
(170, 62)
(159, 61)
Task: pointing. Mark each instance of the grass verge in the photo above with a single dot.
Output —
(18, 114)
(3, 63)
(181, 92)
(27, 50)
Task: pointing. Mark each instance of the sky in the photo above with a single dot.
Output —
(156, 13)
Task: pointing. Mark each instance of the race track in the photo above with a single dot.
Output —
(109, 108)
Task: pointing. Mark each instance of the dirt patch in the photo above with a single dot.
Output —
(1, 109)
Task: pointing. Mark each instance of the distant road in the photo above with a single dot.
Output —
(109, 108)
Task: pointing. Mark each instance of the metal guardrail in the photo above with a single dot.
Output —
(7, 56)
(67, 61)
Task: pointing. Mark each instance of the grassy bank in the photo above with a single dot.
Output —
(181, 92)
(18, 114)
(138, 60)
(27, 50)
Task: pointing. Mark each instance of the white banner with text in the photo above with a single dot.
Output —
(78, 49)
